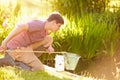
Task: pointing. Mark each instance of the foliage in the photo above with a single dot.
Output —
(79, 7)
(88, 36)
(7, 20)
(17, 8)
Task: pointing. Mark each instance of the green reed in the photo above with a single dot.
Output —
(87, 37)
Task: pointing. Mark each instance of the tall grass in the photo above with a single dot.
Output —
(7, 21)
(79, 7)
(87, 36)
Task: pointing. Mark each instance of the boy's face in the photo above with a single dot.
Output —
(55, 26)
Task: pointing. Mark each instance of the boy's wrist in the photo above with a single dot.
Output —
(46, 47)
(3, 43)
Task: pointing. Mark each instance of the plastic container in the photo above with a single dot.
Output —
(71, 61)
(59, 63)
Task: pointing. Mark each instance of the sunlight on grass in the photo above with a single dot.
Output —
(1, 55)
(38, 9)
(8, 73)
(114, 5)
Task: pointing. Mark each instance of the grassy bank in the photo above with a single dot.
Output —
(12, 73)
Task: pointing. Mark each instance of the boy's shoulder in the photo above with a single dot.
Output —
(36, 21)
(36, 24)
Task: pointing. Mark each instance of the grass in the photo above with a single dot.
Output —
(11, 73)
(87, 37)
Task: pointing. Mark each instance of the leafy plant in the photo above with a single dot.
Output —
(87, 37)
(79, 7)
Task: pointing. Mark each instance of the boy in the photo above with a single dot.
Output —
(28, 37)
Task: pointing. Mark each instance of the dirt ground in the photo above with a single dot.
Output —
(104, 67)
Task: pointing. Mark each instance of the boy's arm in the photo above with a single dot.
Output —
(14, 32)
(42, 43)
(49, 49)
(36, 44)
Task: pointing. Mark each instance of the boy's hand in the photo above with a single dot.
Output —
(2, 48)
(50, 49)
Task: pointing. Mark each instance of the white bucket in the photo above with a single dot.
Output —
(71, 61)
(59, 63)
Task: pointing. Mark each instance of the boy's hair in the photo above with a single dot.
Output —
(56, 16)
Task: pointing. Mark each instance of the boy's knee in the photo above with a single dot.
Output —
(41, 68)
